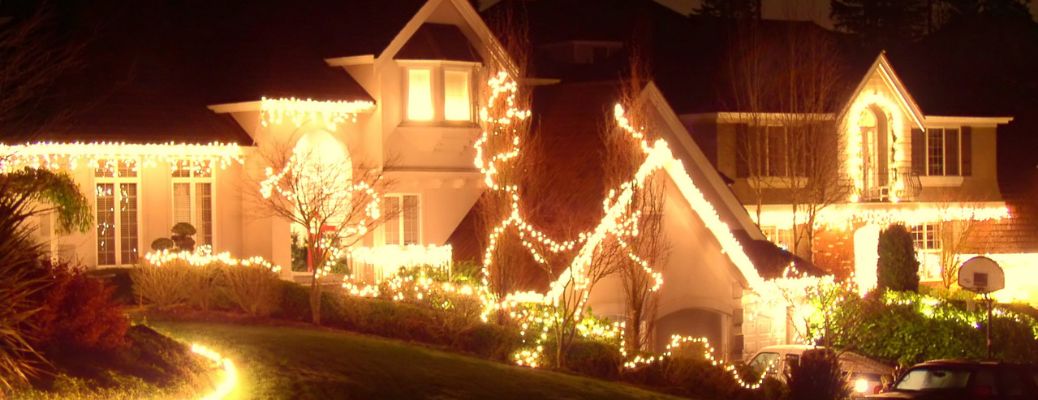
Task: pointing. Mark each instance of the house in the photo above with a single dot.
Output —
(172, 123)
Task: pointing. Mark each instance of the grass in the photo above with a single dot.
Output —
(298, 363)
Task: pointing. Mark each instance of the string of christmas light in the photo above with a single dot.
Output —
(855, 162)
(391, 258)
(299, 111)
(846, 216)
(106, 156)
(203, 256)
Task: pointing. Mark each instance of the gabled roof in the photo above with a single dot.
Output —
(881, 68)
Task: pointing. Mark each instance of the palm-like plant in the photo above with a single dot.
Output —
(23, 194)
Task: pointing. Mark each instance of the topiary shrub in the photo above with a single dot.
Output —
(78, 313)
(817, 376)
(897, 268)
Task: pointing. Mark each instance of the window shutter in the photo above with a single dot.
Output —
(918, 152)
(951, 152)
(742, 150)
(967, 151)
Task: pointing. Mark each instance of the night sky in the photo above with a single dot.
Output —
(816, 10)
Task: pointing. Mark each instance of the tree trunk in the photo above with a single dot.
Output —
(315, 300)
(634, 332)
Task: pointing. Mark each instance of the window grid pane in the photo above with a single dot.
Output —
(392, 224)
(410, 214)
(457, 106)
(128, 222)
(181, 203)
(935, 152)
(419, 95)
(105, 193)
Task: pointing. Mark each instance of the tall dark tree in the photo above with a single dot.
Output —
(946, 11)
(731, 9)
(880, 23)
(898, 268)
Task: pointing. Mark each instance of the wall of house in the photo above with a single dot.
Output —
(701, 291)
(981, 185)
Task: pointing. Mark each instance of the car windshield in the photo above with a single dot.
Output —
(762, 361)
(933, 378)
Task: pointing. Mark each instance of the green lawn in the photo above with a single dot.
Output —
(298, 363)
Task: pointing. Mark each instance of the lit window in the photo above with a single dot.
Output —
(419, 94)
(926, 237)
(193, 198)
(457, 106)
(117, 239)
(402, 223)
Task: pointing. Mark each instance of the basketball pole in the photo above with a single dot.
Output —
(987, 327)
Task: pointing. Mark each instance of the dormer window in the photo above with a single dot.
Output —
(419, 94)
(438, 91)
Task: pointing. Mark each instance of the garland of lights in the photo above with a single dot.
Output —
(299, 111)
(106, 156)
(855, 155)
(203, 256)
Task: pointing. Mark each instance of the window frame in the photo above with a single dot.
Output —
(927, 133)
(192, 181)
(400, 219)
(437, 82)
(116, 180)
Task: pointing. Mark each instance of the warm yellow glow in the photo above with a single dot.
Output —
(299, 112)
(845, 216)
(861, 385)
(230, 379)
(866, 258)
(457, 105)
(203, 256)
(854, 154)
(101, 155)
(390, 259)
(419, 94)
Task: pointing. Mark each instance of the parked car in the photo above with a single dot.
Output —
(864, 375)
(957, 379)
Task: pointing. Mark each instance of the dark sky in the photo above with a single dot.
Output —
(816, 10)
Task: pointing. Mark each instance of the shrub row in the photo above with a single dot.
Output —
(400, 320)
(253, 290)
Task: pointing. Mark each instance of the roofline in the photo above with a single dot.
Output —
(890, 77)
(256, 105)
(468, 14)
(349, 61)
(747, 116)
(968, 120)
(712, 175)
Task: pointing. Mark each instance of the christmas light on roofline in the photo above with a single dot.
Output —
(73, 155)
(330, 113)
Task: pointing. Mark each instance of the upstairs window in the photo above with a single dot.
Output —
(456, 95)
(942, 152)
(419, 94)
(439, 92)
